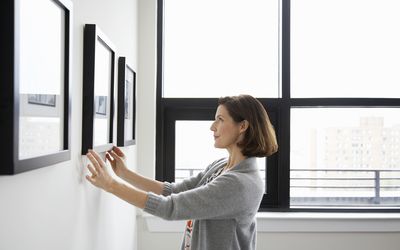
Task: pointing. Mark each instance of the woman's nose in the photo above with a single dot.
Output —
(212, 127)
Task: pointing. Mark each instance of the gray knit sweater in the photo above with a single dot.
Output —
(223, 210)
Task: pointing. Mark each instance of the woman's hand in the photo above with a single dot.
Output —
(117, 161)
(100, 177)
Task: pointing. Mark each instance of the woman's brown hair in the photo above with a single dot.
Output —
(260, 138)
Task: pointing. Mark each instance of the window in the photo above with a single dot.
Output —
(330, 167)
(328, 86)
(218, 48)
(201, 152)
(356, 55)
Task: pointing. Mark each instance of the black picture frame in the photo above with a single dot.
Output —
(93, 39)
(10, 96)
(126, 96)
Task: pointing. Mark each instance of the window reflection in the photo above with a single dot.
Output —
(41, 99)
(103, 67)
(129, 105)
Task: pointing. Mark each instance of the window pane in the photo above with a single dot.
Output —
(356, 55)
(345, 157)
(215, 48)
(194, 149)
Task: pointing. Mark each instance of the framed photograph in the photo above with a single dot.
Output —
(35, 95)
(126, 104)
(98, 90)
(39, 99)
(100, 105)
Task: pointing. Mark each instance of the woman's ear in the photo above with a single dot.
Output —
(244, 125)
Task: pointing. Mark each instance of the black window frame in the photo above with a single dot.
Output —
(277, 197)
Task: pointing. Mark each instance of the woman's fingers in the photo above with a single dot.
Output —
(118, 151)
(97, 156)
(94, 161)
(90, 179)
(112, 161)
(115, 156)
(92, 170)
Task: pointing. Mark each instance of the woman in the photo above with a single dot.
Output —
(219, 203)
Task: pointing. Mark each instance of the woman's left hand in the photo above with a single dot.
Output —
(100, 177)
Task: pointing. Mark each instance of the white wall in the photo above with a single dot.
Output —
(146, 150)
(146, 89)
(55, 207)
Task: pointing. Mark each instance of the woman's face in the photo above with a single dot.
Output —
(226, 130)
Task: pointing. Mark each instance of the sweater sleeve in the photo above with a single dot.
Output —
(188, 183)
(225, 197)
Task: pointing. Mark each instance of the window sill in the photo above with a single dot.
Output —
(272, 222)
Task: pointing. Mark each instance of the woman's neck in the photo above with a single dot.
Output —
(235, 156)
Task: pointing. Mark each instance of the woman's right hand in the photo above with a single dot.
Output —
(117, 161)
